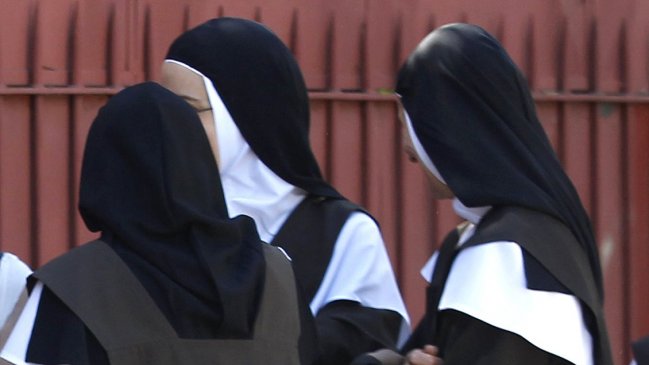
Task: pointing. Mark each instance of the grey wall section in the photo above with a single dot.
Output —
(586, 61)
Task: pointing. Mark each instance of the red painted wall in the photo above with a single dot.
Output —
(586, 60)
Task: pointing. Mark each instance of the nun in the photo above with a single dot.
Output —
(519, 281)
(246, 84)
(172, 279)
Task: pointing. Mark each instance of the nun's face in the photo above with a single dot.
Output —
(438, 188)
(189, 85)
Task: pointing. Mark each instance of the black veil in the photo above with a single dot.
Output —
(150, 185)
(262, 87)
(472, 110)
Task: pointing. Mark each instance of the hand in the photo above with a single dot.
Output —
(425, 356)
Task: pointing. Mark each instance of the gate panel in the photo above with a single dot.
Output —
(379, 180)
(346, 156)
(53, 177)
(609, 217)
(416, 231)
(577, 151)
(164, 21)
(281, 17)
(84, 112)
(15, 176)
(319, 132)
(638, 190)
(347, 32)
(16, 34)
(55, 25)
(91, 51)
(313, 43)
(587, 62)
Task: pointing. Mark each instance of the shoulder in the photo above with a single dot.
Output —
(361, 230)
(521, 225)
(357, 225)
(344, 207)
(488, 282)
(360, 219)
(552, 253)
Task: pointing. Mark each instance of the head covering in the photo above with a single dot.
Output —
(262, 87)
(474, 115)
(250, 187)
(150, 184)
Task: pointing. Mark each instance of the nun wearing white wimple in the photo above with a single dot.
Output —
(519, 281)
(244, 82)
(172, 280)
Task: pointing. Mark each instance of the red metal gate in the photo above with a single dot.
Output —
(586, 60)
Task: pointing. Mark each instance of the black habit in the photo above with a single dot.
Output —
(150, 185)
(472, 110)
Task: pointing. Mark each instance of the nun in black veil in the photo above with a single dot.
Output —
(519, 282)
(172, 279)
(248, 88)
